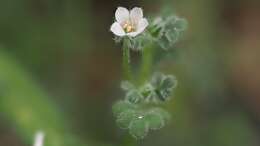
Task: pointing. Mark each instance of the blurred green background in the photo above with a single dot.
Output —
(60, 72)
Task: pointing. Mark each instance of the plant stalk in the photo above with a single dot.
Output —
(126, 62)
(147, 63)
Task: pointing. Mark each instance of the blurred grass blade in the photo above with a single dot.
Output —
(27, 107)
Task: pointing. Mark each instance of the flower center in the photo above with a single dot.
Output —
(128, 27)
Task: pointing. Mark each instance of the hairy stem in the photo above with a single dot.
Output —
(147, 63)
(126, 62)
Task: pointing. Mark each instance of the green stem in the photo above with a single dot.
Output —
(147, 63)
(126, 62)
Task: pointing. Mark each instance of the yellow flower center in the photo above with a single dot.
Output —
(128, 27)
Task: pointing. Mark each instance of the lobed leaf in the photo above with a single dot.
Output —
(125, 118)
(122, 106)
(139, 128)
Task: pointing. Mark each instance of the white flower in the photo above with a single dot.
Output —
(39, 138)
(129, 23)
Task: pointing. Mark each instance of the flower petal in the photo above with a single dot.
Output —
(122, 14)
(142, 24)
(133, 34)
(136, 14)
(117, 29)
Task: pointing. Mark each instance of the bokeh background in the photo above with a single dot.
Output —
(60, 71)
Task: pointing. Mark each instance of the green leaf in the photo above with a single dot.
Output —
(181, 24)
(155, 120)
(163, 113)
(139, 128)
(156, 29)
(163, 86)
(125, 118)
(169, 82)
(148, 93)
(122, 106)
(134, 96)
(166, 87)
(166, 31)
(157, 79)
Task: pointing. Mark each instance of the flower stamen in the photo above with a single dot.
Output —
(128, 27)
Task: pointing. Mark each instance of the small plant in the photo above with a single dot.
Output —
(145, 92)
